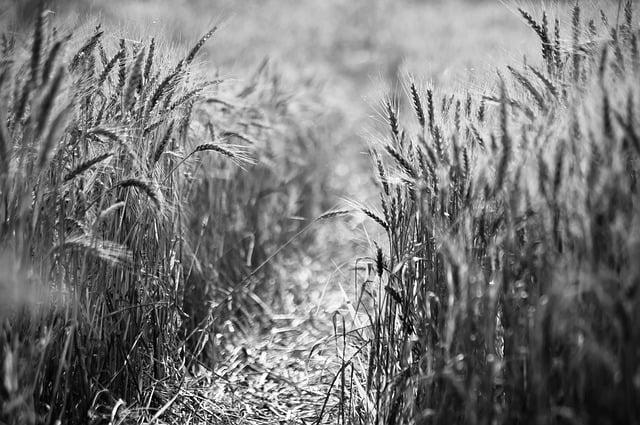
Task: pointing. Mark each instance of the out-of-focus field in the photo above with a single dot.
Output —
(355, 49)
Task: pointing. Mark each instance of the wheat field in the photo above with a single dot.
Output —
(319, 212)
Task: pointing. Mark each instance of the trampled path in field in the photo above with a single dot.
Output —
(357, 52)
(277, 372)
(351, 53)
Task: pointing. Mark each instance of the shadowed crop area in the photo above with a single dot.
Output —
(319, 212)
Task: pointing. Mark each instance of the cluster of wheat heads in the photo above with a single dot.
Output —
(100, 147)
(510, 289)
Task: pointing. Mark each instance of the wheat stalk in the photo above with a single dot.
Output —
(194, 51)
(111, 252)
(134, 81)
(145, 187)
(51, 58)
(36, 47)
(163, 143)
(333, 214)
(546, 81)
(86, 165)
(122, 66)
(149, 62)
(47, 103)
(417, 105)
(86, 50)
(109, 67)
(529, 87)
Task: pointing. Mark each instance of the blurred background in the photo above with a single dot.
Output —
(352, 52)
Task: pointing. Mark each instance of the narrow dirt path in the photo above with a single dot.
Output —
(347, 52)
(281, 373)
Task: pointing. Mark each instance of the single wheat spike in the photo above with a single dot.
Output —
(36, 47)
(466, 163)
(602, 68)
(385, 208)
(86, 166)
(162, 88)
(592, 30)
(332, 214)
(148, 129)
(546, 81)
(433, 158)
(187, 97)
(106, 250)
(185, 119)
(379, 262)
(122, 69)
(101, 131)
(628, 124)
(439, 142)
(21, 105)
(457, 116)
(447, 101)
(603, 18)
(102, 53)
(477, 137)
(163, 143)
(401, 207)
(402, 162)
(381, 173)
(481, 110)
(194, 51)
(430, 110)
(235, 152)
(134, 81)
(628, 20)
(559, 163)
(557, 53)
(110, 65)
(85, 50)
(593, 174)
(392, 117)
(47, 103)
(529, 87)
(8, 44)
(543, 175)
(417, 105)
(422, 164)
(51, 59)
(617, 49)
(607, 125)
(149, 61)
(375, 217)
(549, 46)
(226, 135)
(505, 138)
(468, 106)
(144, 187)
(55, 132)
